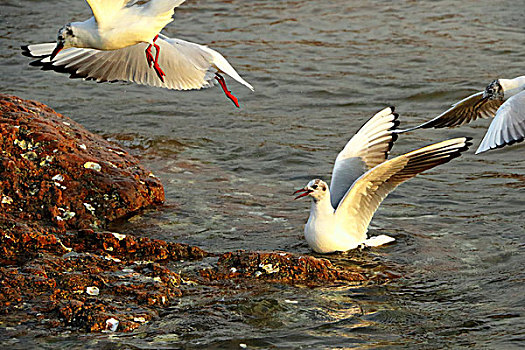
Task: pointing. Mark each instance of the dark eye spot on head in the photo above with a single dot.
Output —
(68, 30)
(324, 188)
(314, 186)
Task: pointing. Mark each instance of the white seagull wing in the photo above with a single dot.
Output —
(465, 111)
(216, 59)
(366, 149)
(105, 10)
(508, 125)
(362, 200)
(187, 65)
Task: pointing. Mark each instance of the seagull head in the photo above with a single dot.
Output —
(66, 38)
(316, 189)
(493, 91)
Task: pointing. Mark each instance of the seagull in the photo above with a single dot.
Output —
(503, 99)
(362, 177)
(110, 46)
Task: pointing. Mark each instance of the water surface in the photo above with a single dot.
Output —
(320, 70)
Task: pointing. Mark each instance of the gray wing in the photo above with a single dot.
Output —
(187, 65)
(465, 111)
(508, 126)
(366, 149)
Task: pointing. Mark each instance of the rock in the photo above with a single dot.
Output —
(278, 267)
(58, 181)
(132, 279)
(73, 178)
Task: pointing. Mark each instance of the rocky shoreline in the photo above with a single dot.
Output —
(60, 186)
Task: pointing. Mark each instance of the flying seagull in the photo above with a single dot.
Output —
(503, 99)
(116, 45)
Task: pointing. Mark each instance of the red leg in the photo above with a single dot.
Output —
(157, 47)
(228, 93)
(160, 72)
(156, 66)
(149, 56)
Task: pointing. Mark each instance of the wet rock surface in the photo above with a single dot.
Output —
(278, 267)
(58, 182)
(60, 186)
(75, 179)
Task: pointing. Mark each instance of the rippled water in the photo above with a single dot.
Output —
(320, 70)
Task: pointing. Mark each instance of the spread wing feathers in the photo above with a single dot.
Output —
(362, 200)
(158, 13)
(465, 111)
(187, 65)
(508, 126)
(366, 149)
(156, 7)
(104, 10)
(217, 60)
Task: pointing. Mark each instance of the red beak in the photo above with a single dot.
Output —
(305, 191)
(57, 49)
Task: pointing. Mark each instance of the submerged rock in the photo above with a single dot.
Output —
(130, 277)
(278, 267)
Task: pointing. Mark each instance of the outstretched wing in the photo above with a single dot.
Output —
(366, 149)
(508, 125)
(465, 111)
(362, 200)
(105, 10)
(187, 65)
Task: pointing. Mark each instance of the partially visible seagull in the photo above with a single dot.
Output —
(116, 44)
(361, 179)
(503, 99)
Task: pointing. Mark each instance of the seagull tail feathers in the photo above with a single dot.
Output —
(376, 241)
(224, 66)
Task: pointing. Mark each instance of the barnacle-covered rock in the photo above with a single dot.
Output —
(53, 169)
(278, 267)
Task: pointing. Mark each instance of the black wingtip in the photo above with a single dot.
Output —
(394, 139)
(396, 118)
(36, 63)
(468, 142)
(396, 122)
(25, 51)
(393, 135)
(459, 151)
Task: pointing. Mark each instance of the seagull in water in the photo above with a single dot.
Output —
(362, 177)
(503, 99)
(116, 44)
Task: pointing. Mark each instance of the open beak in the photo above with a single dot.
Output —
(305, 192)
(58, 48)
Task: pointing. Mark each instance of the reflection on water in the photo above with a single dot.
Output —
(319, 73)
